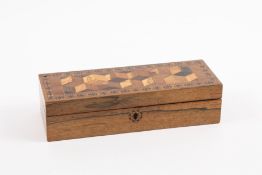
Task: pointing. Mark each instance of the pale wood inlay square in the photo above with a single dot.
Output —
(66, 80)
(148, 81)
(80, 87)
(94, 78)
(191, 77)
(125, 84)
(175, 69)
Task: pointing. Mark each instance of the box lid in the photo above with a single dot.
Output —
(126, 87)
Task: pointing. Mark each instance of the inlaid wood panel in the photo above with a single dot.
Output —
(128, 99)
(126, 80)
(125, 87)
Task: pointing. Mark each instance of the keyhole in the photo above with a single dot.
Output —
(135, 116)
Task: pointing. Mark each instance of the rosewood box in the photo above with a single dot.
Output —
(128, 99)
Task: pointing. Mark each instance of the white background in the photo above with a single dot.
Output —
(49, 36)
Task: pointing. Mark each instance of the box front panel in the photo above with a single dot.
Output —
(133, 119)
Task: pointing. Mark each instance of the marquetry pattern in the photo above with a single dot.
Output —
(126, 80)
(139, 78)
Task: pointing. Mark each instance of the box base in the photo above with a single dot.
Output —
(133, 119)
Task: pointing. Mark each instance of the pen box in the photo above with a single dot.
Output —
(128, 99)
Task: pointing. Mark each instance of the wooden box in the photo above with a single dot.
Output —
(128, 99)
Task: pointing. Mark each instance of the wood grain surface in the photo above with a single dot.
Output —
(133, 100)
(120, 121)
(127, 99)
(113, 88)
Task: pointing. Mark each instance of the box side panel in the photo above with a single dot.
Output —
(133, 119)
(42, 107)
(135, 100)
